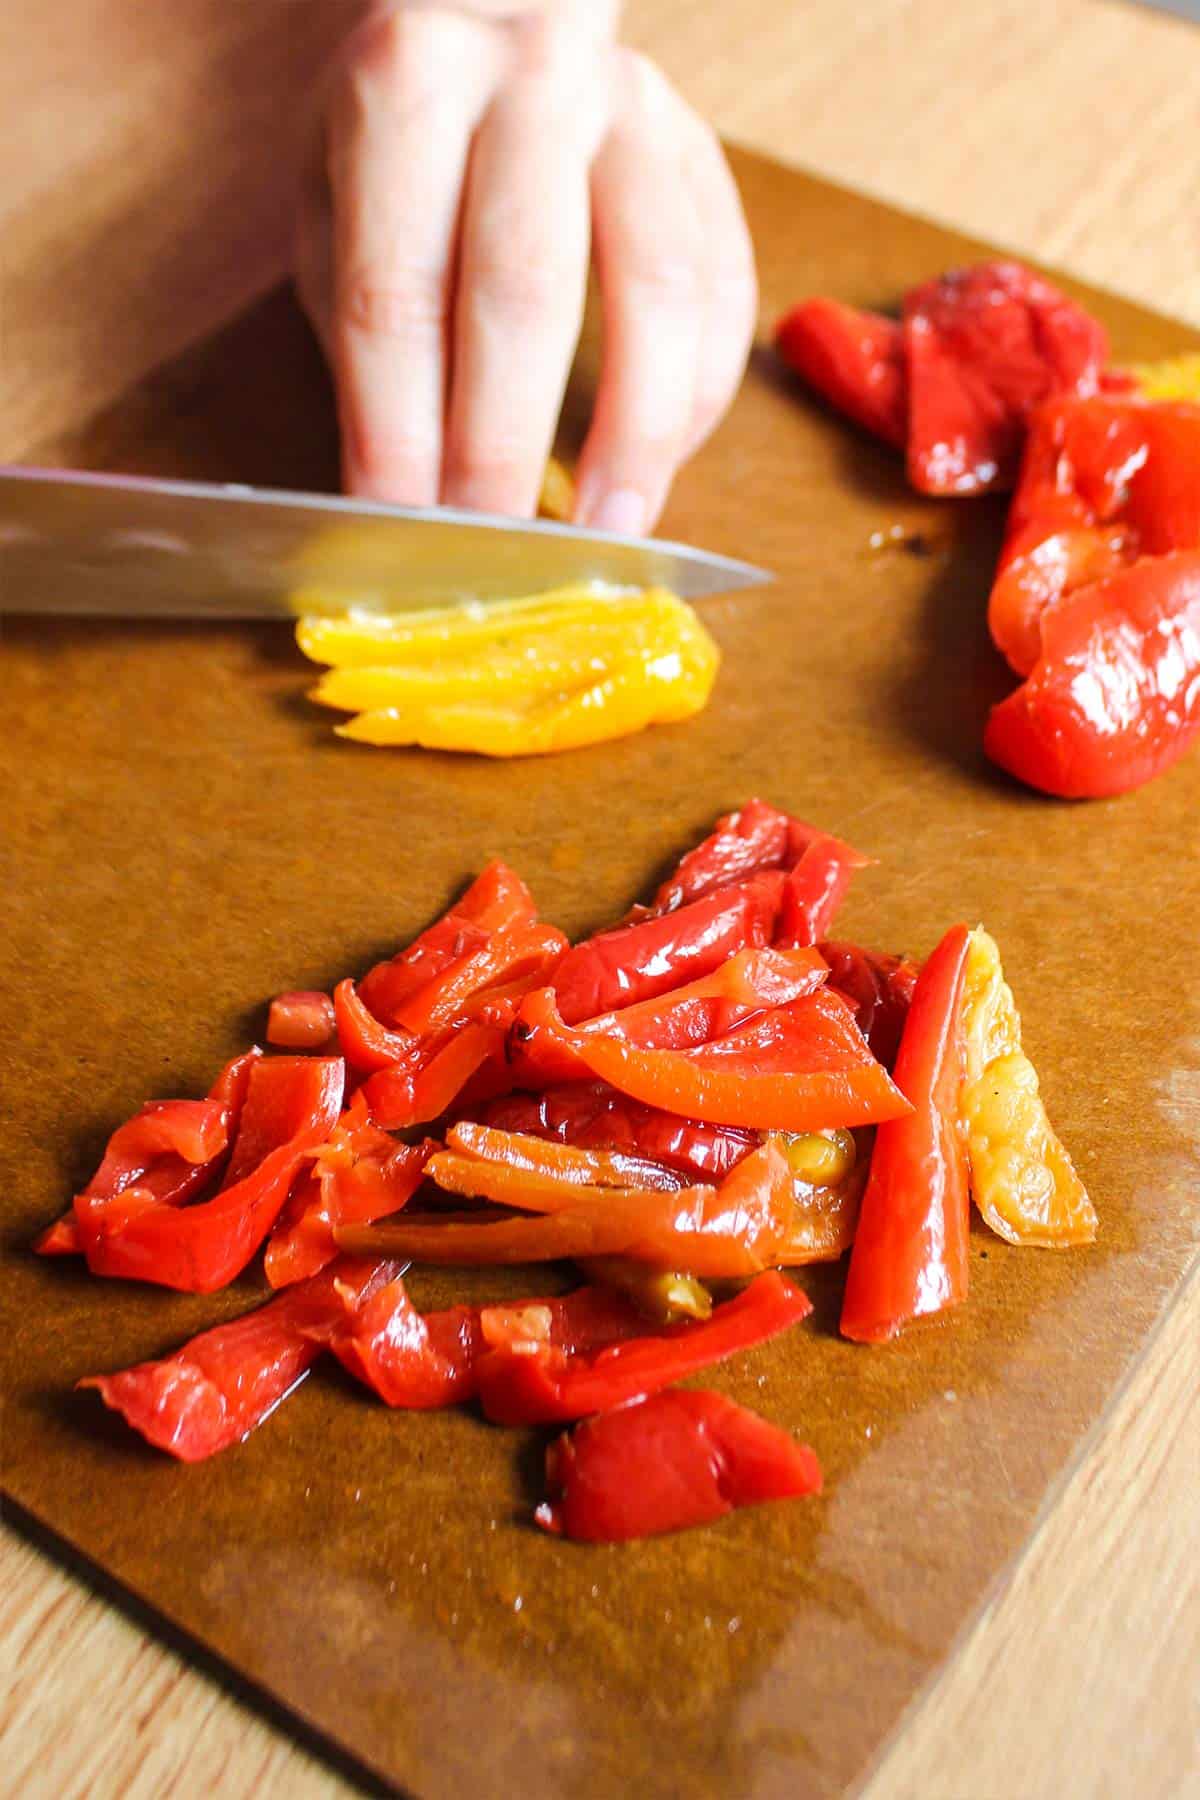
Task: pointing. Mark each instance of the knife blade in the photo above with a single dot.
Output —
(123, 546)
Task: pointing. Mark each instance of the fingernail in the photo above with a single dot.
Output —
(622, 510)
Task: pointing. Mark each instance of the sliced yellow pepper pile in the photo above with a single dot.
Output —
(1022, 1179)
(519, 678)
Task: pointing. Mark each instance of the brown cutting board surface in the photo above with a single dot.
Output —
(186, 837)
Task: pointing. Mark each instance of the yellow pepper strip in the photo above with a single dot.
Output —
(557, 498)
(368, 640)
(655, 687)
(1021, 1176)
(1175, 378)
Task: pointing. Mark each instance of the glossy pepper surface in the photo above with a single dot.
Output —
(1114, 698)
(853, 359)
(910, 1249)
(682, 1457)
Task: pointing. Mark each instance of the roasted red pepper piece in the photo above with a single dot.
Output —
(910, 1249)
(737, 1229)
(532, 951)
(423, 1360)
(571, 1163)
(595, 1116)
(853, 359)
(520, 1386)
(880, 987)
(639, 961)
(984, 347)
(301, 1020)
(814, 890)
(682, 1457)
(405, 1095)
(496, 901)
(291, 1105)
(1114, 698)
(360, 1174)
(1103, 483)
(214, 1390)
(803, 1066)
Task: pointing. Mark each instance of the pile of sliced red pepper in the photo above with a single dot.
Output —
(993, 378)
(670, 1105)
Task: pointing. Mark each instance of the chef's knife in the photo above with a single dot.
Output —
(125, 546)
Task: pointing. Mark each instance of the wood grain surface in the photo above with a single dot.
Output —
(1067, 131)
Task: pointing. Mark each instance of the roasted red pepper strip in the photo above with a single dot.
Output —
(637, 962)
(291, 1105)
(853, 359)
(755, 838)
(503, 956)
(560, 1162)
(984, 347)
(497, 901)
(910, 1250)
(881, 989)
(541, 1050)
(214, 1390)
(683, 1457)
(736, 1229)
(1103, 482)
(804, 1066)
(522, 1387)
(359, 1175)
(814, 890)
(423, 1360)
(400, 1096)
(593, 1115)
(1114, 698)
(303, 1020)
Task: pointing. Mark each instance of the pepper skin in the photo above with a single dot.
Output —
(1114, 698)
(853, 359)
(683, 1457)
(910, 1250)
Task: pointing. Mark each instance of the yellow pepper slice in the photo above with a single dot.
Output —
(1022, 1179)
(1174, 378)
(371, 640)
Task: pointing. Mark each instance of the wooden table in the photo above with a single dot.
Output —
(1066, 131)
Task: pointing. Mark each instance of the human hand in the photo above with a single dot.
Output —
(469, 159)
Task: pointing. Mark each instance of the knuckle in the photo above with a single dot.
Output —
(408, 304)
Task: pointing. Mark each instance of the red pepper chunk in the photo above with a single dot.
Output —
(523, 1386)
(360, 1174)
(424, 1360)
(302, 1020)
(800, 1066)
(291, 1105)
(853, 359)
(910, 1250)
(880, 988)
(1103, 483)
(214, 1390)
(592, 1115)
(984, 347)
(683, 1457)
(496, 901)
(754, 839)
(639, 961)
(1114, 698)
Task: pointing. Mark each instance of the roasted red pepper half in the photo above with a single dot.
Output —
(985, 346)
(425, 1360)
(358, 1175)
(1103, 483)
(853, 359)
(639, 961)
(682, 1457)
(800, 1066)
(213, 1391)
(1114, 698)
(524, 1385)
(595, 1116)
(910, 1250)
(292, 1104)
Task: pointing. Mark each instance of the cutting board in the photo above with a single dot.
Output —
(186, 837)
